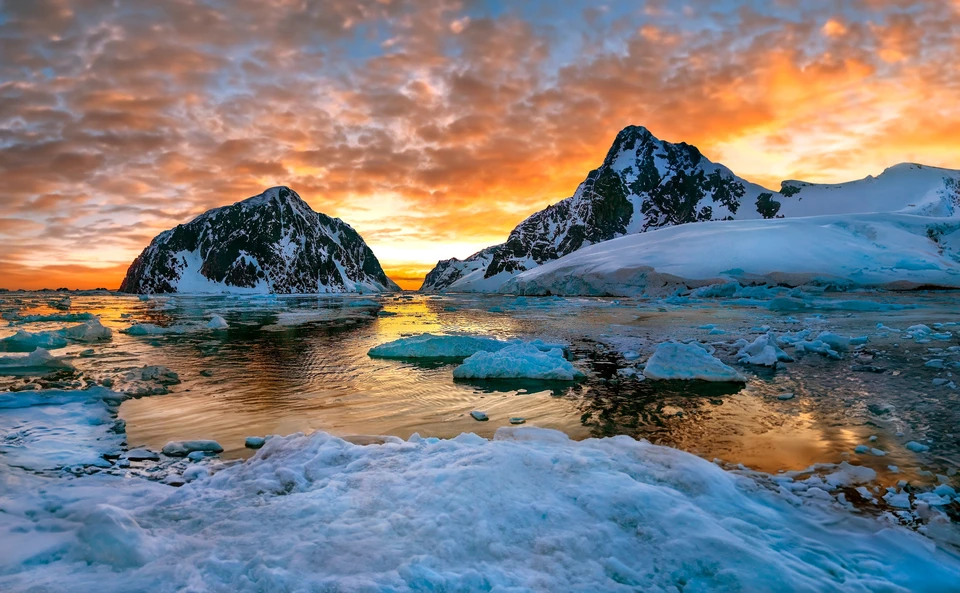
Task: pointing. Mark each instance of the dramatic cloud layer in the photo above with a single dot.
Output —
(431, 127)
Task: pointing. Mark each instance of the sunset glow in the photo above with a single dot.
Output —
(432, 128)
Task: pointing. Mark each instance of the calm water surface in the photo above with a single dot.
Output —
(258, 377)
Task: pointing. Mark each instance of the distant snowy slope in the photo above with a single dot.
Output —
(646, 184)
(875, 250)
(270, 243)
(908, 188)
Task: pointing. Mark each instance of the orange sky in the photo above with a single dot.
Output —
(432, 128)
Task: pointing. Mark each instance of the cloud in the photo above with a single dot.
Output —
(435, 127)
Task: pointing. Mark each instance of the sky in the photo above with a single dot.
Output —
(432, 127)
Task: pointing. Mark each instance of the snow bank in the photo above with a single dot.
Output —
(518, 361)
(872, 250)
(528, 511)
(672, 360)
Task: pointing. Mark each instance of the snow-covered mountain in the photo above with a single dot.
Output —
(879, 250)
(645, 184)
(270, 243)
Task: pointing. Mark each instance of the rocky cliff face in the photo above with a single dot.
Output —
(644, 183)
(270, 243)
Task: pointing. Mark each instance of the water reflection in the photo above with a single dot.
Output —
(248, 381)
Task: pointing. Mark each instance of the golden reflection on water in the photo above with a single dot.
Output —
(246, 381)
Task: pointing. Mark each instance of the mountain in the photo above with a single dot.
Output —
(645, 183)
(270, 243)
(888, 250)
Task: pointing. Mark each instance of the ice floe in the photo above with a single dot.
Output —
(448, 346)
(673, 360)
(763, 351)
(518, 361)
(40, 360)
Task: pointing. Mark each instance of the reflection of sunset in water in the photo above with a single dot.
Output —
(249, 381)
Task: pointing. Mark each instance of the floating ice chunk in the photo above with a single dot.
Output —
(932, 499)
(518, 361)
(818, 347)
(217, 322)
(362, 303)
(945, 490)
(517, 420)
(898, 500)
(435, 346)
(840, 343)
(763, 352)
(878, 452)
(38, 360)
(672, 360)
(149, 329)
(449, 347)
(254, 442)
(183, 448)
(89, 331)
(787, 304)
(785, 396)
(478, 415)
(861, 449)
(24, 341)
(916, 447)
(850, 475)
(155, 373)
(61, 317)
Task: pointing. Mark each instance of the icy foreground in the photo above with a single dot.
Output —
(530, 510)
(895, 251)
